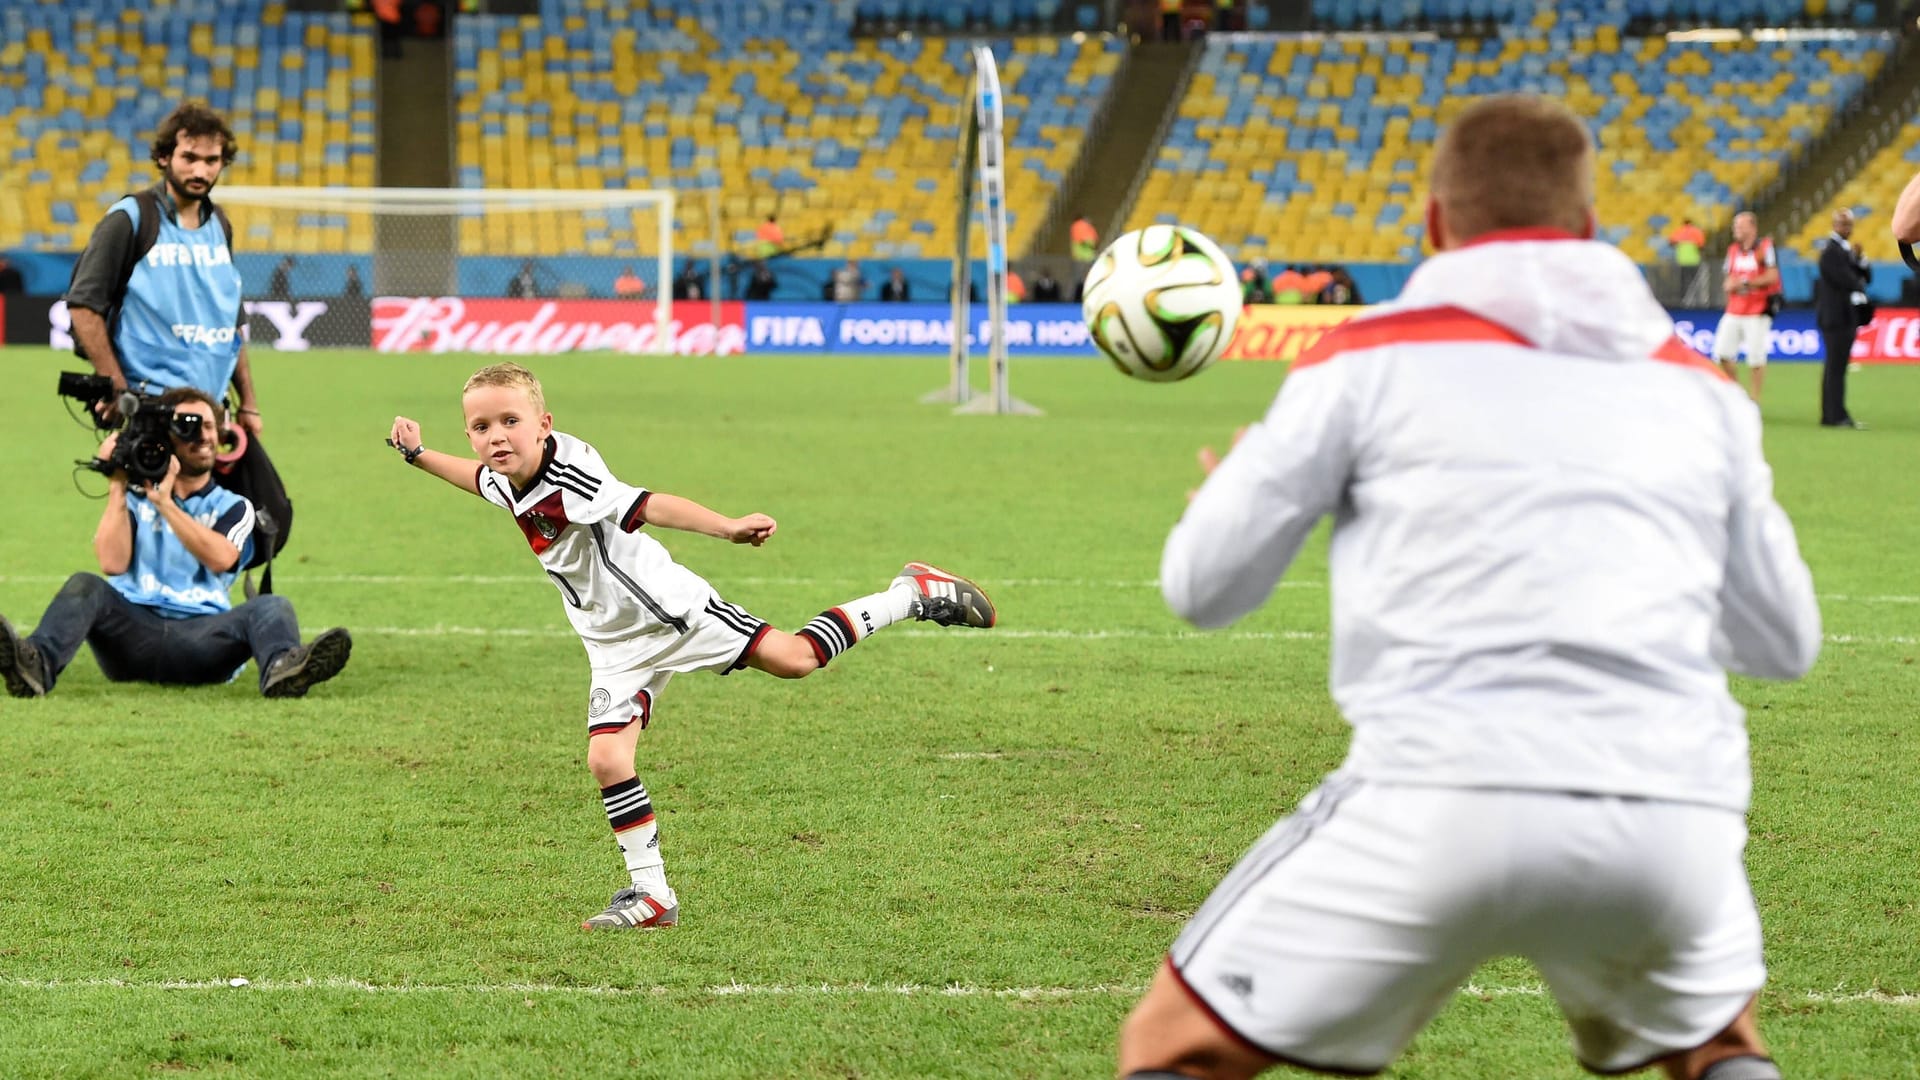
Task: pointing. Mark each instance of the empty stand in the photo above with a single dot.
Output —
(774, 103)
(1314, 150)
(84, 83)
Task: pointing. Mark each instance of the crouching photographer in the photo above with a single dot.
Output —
(171, 542)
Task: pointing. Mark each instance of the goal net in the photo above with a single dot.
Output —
(449, 244)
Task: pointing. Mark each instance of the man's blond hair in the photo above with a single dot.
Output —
(1517, 161)
(509, 376)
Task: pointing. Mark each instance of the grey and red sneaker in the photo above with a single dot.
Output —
(946, 599)
(633, 909)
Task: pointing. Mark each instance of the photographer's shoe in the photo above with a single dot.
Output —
(24, 669)
(294, 671)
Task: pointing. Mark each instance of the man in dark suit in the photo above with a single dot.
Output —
(1839, 294)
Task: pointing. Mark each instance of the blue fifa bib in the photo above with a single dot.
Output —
(178, 324)
(164, 575)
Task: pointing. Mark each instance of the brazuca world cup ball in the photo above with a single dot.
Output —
(1161, 302)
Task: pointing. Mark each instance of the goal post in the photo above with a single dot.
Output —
(982, 152)
(469, 242)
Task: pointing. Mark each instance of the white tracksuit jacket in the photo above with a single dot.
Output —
(1553, 532)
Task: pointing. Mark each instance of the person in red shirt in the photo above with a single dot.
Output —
(1753, 283)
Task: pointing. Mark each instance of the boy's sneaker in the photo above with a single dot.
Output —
(295, 671)
(946, 599)
(631, 909)
(24, 669)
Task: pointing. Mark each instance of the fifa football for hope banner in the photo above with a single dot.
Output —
(1032, 329)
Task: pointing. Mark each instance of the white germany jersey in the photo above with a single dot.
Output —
(1553, 532)
(622, 591)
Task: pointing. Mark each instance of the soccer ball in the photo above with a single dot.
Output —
(1161, 302)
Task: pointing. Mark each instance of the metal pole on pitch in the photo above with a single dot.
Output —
(989, 119)
(958, 389)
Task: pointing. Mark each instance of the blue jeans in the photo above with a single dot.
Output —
(136, 644)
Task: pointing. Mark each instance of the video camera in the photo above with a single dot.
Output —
(145, 447)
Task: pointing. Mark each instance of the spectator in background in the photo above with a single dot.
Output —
(353, 290)
(522, 285)
(768, 238)
(11, 281)
(1046, 288)
(1340, 290)
(1253, 287)
(1753, 286)
(1085, 239)
(688, 284)
(1839, 299)
(1687, 241)
(280, 282)
(1313, 283)
(628, 285)
(1290, 286)
(761, 283)
(848, 283)
(1170, 20)
(1016, 287)
(896, 290)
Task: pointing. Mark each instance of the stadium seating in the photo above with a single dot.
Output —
(1870, 195)
(1620, 14)
(1305, 150)
(773, 103)
(84, 83)
(995, 16)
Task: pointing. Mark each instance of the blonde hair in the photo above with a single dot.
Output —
(508, 376)
(1513, 162)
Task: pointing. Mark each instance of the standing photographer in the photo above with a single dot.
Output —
(155, 297)
(172, 546)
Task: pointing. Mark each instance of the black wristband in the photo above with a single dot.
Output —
(413, 454)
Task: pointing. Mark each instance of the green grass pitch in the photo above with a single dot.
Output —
(953, 854)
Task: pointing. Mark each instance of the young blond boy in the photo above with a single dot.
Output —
(642, 616)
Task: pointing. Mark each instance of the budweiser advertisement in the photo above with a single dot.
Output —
(439, 324)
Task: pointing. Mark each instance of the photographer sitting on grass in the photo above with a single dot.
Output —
(172, 547)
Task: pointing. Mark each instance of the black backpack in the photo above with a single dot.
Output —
(253, 477)
(145, 235)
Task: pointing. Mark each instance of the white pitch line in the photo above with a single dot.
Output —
(1019, 634)
(799, 582)
(737, 989)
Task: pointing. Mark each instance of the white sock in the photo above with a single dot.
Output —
(630, 812)
(838, 629)
(878, 610)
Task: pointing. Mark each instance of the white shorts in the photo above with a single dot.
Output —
(1354, 921)
(719, 636)
(1743, 333)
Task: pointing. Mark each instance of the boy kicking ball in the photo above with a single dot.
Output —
(642, 616)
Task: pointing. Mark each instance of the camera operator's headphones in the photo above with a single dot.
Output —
(1906, 253)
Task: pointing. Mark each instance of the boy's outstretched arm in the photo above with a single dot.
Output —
(675, 512)
(463, 473)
